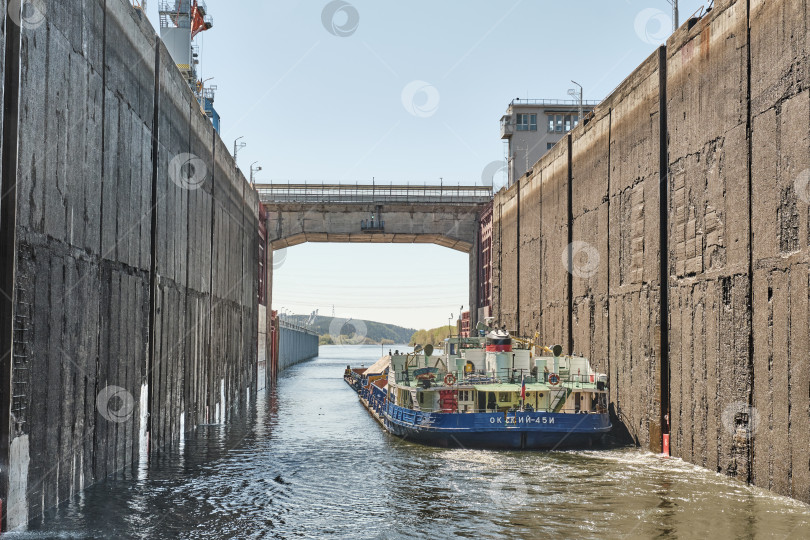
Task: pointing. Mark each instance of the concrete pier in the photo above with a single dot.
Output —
(667, 239)
(128, 311)
(296, 345)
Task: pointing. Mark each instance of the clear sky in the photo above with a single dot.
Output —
(401, 91)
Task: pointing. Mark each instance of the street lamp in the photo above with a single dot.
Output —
(202, 91)
(674, 4)
(577, 95)
(252, 171)
(238, 146)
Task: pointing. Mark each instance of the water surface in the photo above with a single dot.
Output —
(307, 461)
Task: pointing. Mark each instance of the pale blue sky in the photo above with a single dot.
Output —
(317, 107)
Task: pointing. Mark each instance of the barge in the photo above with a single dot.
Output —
(491, 391)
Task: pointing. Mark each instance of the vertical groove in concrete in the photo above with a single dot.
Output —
(749, 137)
(8, 238)
(242, 232)
(663, 233)
(153, 247)
(500, 276)
(517, 260)
(570, 248)
(186, 293)
(101, 198)
(607, 272)
(210, 356)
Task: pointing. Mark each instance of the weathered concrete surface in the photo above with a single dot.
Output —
(780, 201)
(117, 285)
(530, 294)
(730, 327)
(708, 237)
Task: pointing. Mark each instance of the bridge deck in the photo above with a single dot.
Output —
(357, 193)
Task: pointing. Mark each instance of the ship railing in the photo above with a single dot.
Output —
(503, 376)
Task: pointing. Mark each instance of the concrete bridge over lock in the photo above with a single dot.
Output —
(447, 216)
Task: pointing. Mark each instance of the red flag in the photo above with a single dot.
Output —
(523, 389)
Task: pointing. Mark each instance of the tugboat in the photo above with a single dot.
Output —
(490, 391)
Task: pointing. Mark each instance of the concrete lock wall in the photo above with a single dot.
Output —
(720, 119)
(134, 314)
(295, 346)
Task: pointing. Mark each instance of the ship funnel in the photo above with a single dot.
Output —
(557, 350)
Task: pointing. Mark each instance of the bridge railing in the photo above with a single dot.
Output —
(357, 193)
(283, 323)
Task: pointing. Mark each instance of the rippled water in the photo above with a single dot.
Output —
(309, 462)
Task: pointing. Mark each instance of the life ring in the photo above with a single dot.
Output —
(449, 379)
(553, 379)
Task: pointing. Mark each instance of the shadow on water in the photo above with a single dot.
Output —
(307, 461)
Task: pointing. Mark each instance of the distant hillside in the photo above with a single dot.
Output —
(356, 330)
(434, 336)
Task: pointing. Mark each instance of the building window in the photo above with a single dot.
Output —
(558, 127)
(567, 123)
(550, 123)
(527, 122)
(549, 146)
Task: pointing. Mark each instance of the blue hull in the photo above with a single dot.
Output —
(514, 431)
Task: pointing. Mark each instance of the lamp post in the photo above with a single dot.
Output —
(202, 92)
(577, 95)
(253, 171)
(238, 146)
(674, 4)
